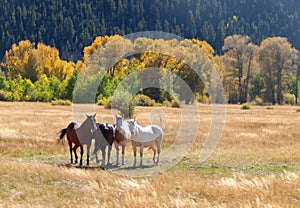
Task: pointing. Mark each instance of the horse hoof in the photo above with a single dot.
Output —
(68, 164)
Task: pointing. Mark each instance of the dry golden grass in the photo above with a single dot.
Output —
(256, 163)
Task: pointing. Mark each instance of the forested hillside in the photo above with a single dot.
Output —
(69, 25)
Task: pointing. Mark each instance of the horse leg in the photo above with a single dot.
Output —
(141, 155)
(123, 152)
(88, 154)
(71, 155)
(75, 154)
(108, 154)
(96, 155)
(134, 154)
(97, 159)
(158, 152)
(81, 154)
(96, 148)
(154, 153)
(103, 157)
(117, 152)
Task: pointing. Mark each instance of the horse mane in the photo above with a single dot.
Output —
(71, 125)
(84, 123)
(103, 129)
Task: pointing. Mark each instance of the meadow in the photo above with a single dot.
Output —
(255, 164)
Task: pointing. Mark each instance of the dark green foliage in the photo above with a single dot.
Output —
(21, 89)
(258, 85)
(70, 85)
(107, 86)
(3, 83)
(72, 25)
(3, 96)
(85, 89)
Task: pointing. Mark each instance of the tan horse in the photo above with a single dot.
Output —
(80, 134)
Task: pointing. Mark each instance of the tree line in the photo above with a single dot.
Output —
(264, 73)
(69, 25)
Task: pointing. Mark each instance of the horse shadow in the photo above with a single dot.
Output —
(86, 167)
(110, 167)
(118, 167)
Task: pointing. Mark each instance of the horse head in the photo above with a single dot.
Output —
(132, 126)
(119, 121)
(91, 122)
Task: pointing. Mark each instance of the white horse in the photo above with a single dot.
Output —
(122, 134)
(146, 136)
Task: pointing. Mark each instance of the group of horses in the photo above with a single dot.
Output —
(105, 135)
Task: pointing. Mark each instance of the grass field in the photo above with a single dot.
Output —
(256, 162)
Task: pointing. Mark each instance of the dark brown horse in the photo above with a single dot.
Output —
(80, 134)
(104, 137)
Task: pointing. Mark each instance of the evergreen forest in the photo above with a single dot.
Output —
(71, 25)
(252, 44)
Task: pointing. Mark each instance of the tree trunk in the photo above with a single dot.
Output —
(279, 86)
(240, 86)
(248, 77)
(297, 85)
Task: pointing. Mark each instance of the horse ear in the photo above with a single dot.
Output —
(94, 115)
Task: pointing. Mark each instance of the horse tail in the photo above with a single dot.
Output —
(62, 135)
(64, 131)
(160, 137)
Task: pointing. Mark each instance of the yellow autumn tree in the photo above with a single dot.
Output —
(17, 58)
(205, 47)
(28, 61)
(99, 42)
(108, 53)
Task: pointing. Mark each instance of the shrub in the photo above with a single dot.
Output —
(61, 102)
(142, 100)
(258, 100)
(106, 102)
(121, 101)
(289, 98)
(175, 103)
(245, 106)
(3, 96)
(202, 98)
